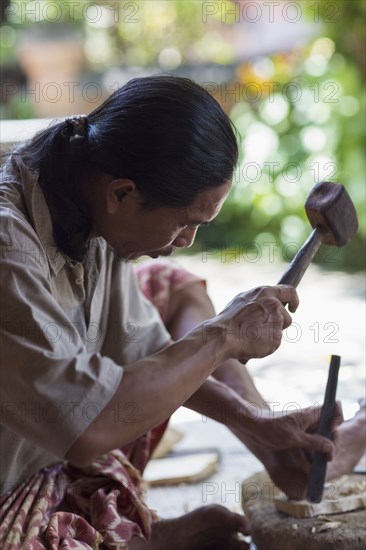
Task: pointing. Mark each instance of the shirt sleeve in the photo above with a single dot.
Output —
(135, 328)
(51, 388)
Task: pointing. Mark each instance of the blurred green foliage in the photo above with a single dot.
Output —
(300, 115)
(299, 132)
(307, 126)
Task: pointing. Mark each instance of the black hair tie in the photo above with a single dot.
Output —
(78, 126)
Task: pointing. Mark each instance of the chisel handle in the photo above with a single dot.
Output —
(319, 464)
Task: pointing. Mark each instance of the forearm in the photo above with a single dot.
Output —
(156, 386)
(235, 375)
(192, 306)
(257, 427)
(219, 402)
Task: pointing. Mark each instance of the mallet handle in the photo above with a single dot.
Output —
(319, 464)
(300, 263)
(302, 260)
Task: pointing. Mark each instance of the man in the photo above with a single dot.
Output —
(90, 374)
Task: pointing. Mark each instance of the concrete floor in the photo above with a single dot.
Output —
(330, 320)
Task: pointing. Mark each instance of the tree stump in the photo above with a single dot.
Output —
(275, 530)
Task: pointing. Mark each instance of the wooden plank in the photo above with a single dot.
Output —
(181, 469)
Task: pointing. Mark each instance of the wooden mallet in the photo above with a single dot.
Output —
(332, 215)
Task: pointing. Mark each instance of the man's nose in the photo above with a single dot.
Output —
(185, 238)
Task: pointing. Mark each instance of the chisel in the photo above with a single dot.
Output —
(319, 464)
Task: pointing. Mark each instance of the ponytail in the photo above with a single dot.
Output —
(59, 155)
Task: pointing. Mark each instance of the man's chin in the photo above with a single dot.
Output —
(137, 255)
(164, 253)
(154, 254)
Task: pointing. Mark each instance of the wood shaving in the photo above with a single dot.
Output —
(329, 525)
(325, 518)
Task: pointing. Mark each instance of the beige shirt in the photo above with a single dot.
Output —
(66, 330)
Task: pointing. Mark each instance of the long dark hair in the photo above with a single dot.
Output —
(165, 133)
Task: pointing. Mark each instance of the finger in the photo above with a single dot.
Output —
(241, 524)
(315, 442)
(287, 295)
(276, 312)
(308, 418)
(337, 417)
(287, 319)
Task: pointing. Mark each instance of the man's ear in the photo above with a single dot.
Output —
(118, 192)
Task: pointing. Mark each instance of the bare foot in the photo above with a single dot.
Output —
(350, 443)
(212, 527)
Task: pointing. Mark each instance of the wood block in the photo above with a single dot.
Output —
(305, 509)
(181, 469)
(342, 495)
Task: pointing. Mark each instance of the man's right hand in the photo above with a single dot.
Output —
(251, 324)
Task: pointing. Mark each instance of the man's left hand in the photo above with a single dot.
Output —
(284, 443)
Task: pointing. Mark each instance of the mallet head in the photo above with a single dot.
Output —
(330, 209)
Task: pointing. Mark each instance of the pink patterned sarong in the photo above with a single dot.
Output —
(101, 506)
